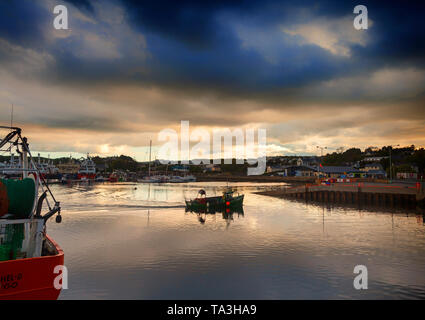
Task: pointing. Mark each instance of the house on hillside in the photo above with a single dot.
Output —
(373, 167)
(180, 168)
(374, 159)
(275, 168)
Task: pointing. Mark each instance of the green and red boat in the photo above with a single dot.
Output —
(227, 200)
(30, 261)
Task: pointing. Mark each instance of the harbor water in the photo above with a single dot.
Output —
(135, 241)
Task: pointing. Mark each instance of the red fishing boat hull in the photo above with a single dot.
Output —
(113, 178)
(31, 278)
(89, 176)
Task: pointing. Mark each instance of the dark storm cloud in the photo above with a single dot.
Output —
(215, 63)
(93, 123)
(193, 44)
(22, 22)
(82, 4)
(397, 36)
(190, 46)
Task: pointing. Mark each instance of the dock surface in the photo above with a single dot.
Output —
(373, 193)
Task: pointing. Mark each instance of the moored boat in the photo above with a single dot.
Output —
(113, 177)
(87, 169)
(28, 256)
(227, 200)
(32, 278)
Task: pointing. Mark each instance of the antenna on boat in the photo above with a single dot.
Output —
(11, 117)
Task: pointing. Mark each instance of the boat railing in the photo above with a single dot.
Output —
(29, 166)
(26, 241)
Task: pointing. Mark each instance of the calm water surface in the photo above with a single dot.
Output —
(135, 241)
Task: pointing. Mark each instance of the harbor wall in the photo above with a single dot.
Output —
(392, 196)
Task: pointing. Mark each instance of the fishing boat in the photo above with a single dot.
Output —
(46, 169)
(100, 179)
(150, 179)
(113, 177)
(176, 179)
(87, 169)
(227, 200)
(28, 256)
(13, 168)
(189, 178)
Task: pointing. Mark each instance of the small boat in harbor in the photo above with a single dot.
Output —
(227, 200)
(28, 256)
(150, 179)
(176, 179)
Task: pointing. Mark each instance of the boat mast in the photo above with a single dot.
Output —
(24, 158)
(150, 149)
(11, 117)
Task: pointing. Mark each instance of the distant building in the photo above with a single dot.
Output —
(373, 167)
(101, 167)
(295, 171)
(407, 175)
(305, 171)
(68, 168)
(373, 170)
(374, 159)
(376, 174)
(335, 171)
(212, 168)
(275, 168)
(180, 168)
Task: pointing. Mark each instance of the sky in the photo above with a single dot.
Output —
(125, 70)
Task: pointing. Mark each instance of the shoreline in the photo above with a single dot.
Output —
(228, 178)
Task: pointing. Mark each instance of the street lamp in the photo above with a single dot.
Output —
(321, 155)
(391, 166)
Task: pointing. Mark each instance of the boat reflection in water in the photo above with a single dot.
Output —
(226, 213)
(227, 204)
